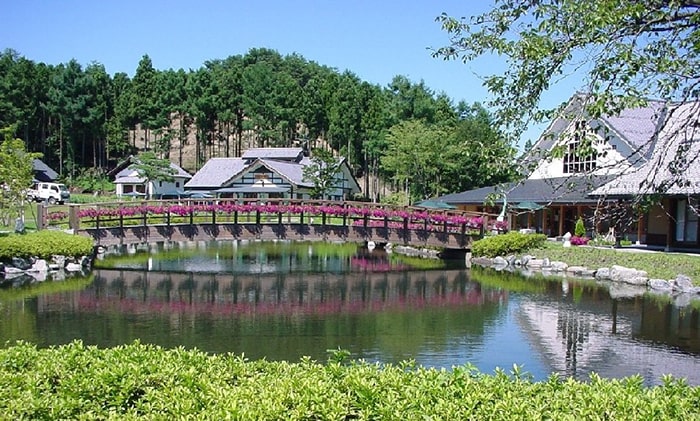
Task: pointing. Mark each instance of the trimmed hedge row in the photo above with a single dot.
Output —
(505, 244)
(146, 382)
(44, 244)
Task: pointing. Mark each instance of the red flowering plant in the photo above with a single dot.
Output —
(375, 217)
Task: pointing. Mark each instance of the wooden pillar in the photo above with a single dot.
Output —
(640, 223)
(671, 205)
(545, 212)
(561, 220)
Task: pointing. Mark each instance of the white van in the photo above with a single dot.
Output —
(50, 192)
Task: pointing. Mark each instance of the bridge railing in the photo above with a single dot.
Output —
(126, 214)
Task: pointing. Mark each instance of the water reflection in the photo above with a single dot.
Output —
(281, 303)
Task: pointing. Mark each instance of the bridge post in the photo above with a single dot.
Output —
(73, 220)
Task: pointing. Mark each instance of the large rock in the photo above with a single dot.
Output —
(660, 285)
(535, 263)
(40, 266)
(682, 283)
(558, 266)
(628, 275)
(20, 263)
(500, 262)
(602, 274)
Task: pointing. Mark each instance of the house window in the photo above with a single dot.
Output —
(177, 184)
(160, 184)
(580, 156)
(687, 221)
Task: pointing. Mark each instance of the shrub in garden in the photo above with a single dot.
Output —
(580, 228)
(579, 241)
(510, 243)
(138, 381)
(44, 244)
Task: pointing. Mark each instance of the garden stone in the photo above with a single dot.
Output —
(546, 263)
(603, 274)
(559, 266)
(575, 270)
(661, 285)
(500, 261)
(535, 263)
(21, 263)
(39, 266)
(511, 260)
(2, 270)
(525, 259)
(59, 260)
(73, 267)
(628, 275)
(482, 261)
(682, 283)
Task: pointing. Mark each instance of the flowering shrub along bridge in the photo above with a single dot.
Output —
(275, 219)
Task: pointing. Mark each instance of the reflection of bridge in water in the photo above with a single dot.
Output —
(277, 219)
(281, 292)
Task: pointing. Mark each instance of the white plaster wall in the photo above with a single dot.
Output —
(609, 161)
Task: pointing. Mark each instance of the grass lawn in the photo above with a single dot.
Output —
(657, 264)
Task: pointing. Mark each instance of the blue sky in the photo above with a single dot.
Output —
(376, 40)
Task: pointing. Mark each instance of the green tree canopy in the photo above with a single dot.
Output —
(628, 50)
(152, 168)
(16, 174)
(321, 172)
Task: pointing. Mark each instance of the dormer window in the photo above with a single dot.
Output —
(580, 156)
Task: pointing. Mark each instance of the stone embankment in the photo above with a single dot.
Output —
(622, 281)
(22, 271)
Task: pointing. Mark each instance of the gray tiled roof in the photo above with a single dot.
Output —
(674, 165)
(130, 175)
(216, 172)
(273, 153)
(291, 170)
(638, 126)
(43, 172)
(555, 191)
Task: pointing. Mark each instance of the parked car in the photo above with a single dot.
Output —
(50, 192)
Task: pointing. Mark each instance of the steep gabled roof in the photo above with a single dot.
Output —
(124, 169)
(292, 171)
(216, 172)
(674, 164)
(635, 128)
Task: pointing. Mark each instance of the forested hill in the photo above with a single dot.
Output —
(81, 117)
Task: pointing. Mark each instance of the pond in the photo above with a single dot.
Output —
(283, 301)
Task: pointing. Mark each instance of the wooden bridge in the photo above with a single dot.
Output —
(134, 222)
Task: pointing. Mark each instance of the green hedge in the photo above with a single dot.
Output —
(505, 244)
(44, 244)
(145, 382)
